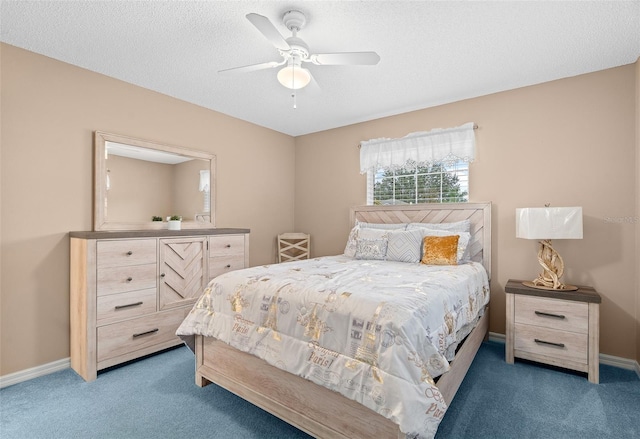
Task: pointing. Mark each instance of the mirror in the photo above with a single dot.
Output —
(136, 180)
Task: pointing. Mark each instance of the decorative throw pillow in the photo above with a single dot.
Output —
(463, 241)
(440, 250)
(371, 248)
(405, 246)
(457, 226)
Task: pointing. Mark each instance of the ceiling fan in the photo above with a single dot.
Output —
(295, 51)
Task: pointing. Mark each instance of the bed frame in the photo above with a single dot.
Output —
(316, 410)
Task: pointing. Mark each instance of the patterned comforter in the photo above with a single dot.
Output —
(377, 332)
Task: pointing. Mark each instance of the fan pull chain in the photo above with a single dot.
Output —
(293, 82)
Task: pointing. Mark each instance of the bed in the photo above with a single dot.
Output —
(368, 400)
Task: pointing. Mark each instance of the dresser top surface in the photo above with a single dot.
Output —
(155, 233)
(582, 294)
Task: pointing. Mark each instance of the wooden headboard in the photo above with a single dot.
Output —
(478, 213)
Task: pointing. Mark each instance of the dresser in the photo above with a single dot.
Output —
(560, 328)
(130, 290)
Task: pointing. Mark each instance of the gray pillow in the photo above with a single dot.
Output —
(405, 246)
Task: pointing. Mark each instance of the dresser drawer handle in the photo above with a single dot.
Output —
(129, 253)
(153, 331)
(228, 266)
(546, 314)
(128, 306)
(228, 246)
(550, 343)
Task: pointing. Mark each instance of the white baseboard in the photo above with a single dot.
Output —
(609, 360)
(45, 369)
(34, 372)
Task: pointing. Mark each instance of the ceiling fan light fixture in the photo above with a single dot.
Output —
(294, 77)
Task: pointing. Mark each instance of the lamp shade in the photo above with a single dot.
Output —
(293, 76)
(549, 223)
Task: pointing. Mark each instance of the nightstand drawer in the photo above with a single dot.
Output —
(551, 343)
(563, 315)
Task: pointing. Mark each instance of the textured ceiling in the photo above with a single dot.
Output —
(432, 52)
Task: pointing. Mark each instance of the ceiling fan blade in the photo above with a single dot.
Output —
(313, 89)
(267, 29)
(346, 58)
(253, 67)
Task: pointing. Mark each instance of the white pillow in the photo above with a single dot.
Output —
(350, 248)
(363, 233)
(457, 226)
(400, 226)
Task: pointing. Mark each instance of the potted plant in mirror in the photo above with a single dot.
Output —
(156, 218)
(174, 222)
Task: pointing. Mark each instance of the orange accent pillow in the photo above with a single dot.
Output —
(440, 250)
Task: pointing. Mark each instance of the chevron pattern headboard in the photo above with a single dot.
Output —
(478, 213)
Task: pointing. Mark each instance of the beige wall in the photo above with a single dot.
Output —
(567, 142)
(49, 111)
(138, 189)
(584, 129)
(637, 217)
(187, 198)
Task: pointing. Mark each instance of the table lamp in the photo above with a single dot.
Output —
(545, 224)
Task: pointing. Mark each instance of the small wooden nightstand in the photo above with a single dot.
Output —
(561, 328)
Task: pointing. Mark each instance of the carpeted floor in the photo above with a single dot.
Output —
(156, 397)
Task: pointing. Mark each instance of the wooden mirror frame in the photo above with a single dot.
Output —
(101, 222)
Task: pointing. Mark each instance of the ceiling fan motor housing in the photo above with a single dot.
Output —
(294, 20)
(299, 48)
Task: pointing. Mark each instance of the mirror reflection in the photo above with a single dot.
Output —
(138, 180)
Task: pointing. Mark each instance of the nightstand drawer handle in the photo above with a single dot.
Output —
(559, 345)
(145, 333)
(128, 305)
(546, 314)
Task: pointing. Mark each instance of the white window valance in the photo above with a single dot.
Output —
(422, 148)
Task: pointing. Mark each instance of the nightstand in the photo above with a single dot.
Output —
(560, 328)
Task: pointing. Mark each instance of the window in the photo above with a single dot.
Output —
(422, 167)
(445, 182)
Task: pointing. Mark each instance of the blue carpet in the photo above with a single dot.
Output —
(156, 397)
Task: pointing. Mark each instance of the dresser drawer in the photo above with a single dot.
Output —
(131, 335)
(113, 280)
(551, 343)
(226, 245)
(222, 264)
(126, 252)
(117, 307)
(557, 314)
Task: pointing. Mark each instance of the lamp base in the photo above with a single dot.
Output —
(542, 287)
